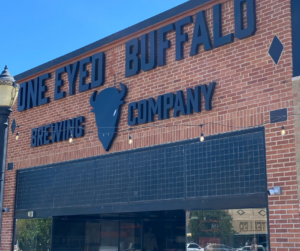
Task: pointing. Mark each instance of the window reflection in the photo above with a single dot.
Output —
(206, 230)
(227, 230)
(109, 235)
(92, 236)
(68, 235)
(164, 235)
(130, 234)
(33, 235)
(85, 235)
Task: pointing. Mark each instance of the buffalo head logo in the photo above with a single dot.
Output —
(107, 106)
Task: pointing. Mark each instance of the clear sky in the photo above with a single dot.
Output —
(34, 32)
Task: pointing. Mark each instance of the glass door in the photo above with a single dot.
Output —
(163, 235)
(130, 235)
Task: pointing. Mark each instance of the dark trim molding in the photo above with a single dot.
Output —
(259, 200)
(183, 142)
(118, 35)
(295, 9)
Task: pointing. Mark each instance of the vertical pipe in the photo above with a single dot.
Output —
(142, 236)
(4, 116)
(185, 237)
(119, 235)
(51, 237)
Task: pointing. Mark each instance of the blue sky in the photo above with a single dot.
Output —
(37, 31)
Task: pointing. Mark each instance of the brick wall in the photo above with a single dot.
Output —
(249, 85)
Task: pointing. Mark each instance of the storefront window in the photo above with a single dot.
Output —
(33, 235)
(68, 234)
(80, 234)
(165, 234)
(92, 236)
(233, 229)
(130, 234)
(148, 231)
(109, 235)
(205, 230)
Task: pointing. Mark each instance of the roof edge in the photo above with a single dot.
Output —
(116, 36)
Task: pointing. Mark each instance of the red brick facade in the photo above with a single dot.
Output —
(249, 86)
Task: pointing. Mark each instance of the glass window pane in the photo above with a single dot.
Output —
(218, 230)
(80, 234)
(92, 235)
(109, 235)
(68, 235)
(130, 234)
(164, 234)
(33, 235)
